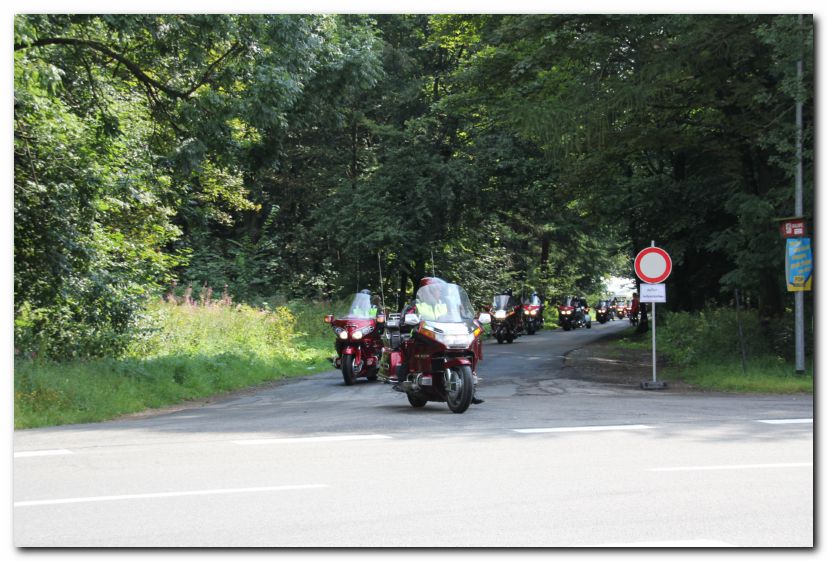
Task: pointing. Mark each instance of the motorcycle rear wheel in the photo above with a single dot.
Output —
(348, 372)
(459, 400)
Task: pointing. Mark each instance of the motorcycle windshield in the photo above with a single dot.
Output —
(360, 308)
(501, 302)
(444, 303)
(533, 300)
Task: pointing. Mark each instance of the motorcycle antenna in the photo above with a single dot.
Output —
(433, 269)
(381, 287)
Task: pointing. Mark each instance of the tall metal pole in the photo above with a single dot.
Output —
(799, 207)
(654, 353)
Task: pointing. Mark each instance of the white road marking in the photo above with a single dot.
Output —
(741, 466)
(165, 495)
(785, 421)
(310, 439)
(584, 429)
(34, 453)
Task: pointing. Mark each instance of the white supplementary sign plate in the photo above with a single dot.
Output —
(653, 293)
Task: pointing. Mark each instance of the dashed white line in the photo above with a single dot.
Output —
(33, 453)
(735, 466)
(295, 440)
(166, 495)
(585, 429)
(785, 421)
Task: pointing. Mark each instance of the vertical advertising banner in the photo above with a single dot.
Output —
(799, 264)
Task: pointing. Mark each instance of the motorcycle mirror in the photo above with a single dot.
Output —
(411, 319)
(328, 318)
(485, 318)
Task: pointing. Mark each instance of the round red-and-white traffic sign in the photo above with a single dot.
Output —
(653, 265)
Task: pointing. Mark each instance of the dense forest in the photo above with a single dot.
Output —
(295, 155)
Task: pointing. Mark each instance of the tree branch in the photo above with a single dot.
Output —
(132, 66)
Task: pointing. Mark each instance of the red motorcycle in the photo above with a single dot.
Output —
(434, 347)
(506, 320)
(533, 313)
(620, 310)
(358, 339)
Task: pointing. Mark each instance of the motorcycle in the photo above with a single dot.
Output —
(573, 314)
(619, 310)
(437, 360)
(533, 314)
(603, 311)
(505, 318)
(358, 339)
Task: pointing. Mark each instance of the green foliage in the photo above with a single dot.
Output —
(703, 350)
(185, 352)
(675, 121)
(709, 335)
(284, 155)
(713, 334)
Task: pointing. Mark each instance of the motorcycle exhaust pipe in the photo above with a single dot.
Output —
(418, 382)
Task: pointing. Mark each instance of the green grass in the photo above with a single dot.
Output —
(190, 353)
(764, 373)
(79, 392)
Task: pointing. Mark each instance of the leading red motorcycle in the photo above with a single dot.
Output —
(358, 339)
(434, 347)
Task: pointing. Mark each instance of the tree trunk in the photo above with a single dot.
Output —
(354, 163)
(402, 296)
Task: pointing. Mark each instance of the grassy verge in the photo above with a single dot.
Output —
(189, 353)
(764, 373)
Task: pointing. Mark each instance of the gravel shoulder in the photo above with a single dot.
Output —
(605, 363)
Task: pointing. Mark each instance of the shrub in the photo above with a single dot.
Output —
(712, 334)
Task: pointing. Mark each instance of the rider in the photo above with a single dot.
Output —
(366, 312)
(635, 304)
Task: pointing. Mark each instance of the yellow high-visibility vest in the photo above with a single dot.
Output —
(432, 313)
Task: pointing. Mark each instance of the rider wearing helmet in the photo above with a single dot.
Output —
(370, 305)
(411, 308)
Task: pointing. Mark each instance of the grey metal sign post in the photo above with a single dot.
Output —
(653, 265)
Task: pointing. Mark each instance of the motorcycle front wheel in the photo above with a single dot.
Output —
(459, 388)
(348, 372)
(416, 401)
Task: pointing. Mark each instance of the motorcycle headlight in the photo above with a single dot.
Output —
(457, 340)
(499, 314)
(343, 334)
(526, 312)
(533, 312)
(356, 335)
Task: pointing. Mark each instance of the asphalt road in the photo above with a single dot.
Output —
(545, 461)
